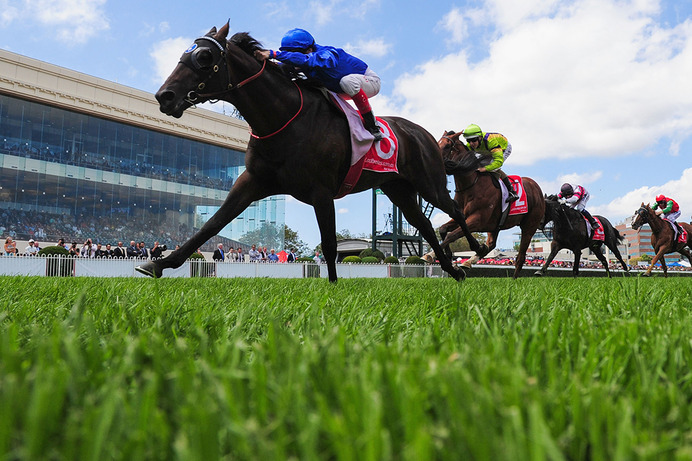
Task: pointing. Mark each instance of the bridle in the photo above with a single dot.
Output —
(210, 71)
(643, 214)
(454, 147)
(196, 55)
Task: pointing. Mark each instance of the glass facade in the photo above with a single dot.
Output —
(66, 174)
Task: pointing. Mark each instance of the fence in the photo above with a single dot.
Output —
(85, 267)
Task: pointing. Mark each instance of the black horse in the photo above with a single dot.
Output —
(569, 231)
(300, 146)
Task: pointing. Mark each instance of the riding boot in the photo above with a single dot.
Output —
(511, 195)
(592, 221)
(363, 104)
(370, 125)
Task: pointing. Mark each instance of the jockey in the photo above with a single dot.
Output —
(668, 208)
(495, 145)
(337, 70)
(575, 196)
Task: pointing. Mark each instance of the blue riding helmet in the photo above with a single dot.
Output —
(296, 39)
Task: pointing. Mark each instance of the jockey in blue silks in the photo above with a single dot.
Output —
(337, 70)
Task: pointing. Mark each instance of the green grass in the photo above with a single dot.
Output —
(403, 369)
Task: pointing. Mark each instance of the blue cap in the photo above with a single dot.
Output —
(296, 39)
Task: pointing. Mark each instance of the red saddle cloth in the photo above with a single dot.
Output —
(682, 236)
(598, 234)
(381, 157)
(520, 205)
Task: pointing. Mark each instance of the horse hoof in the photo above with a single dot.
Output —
(466, 264)
(150, 269)
(538, 274)
(460, 274)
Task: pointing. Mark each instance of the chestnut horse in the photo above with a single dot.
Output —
(300, 146)
(662, 237)
(480, 202)
(569, 231)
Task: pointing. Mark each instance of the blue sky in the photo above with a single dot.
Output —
(595, 92)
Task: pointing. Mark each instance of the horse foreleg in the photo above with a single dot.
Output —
(326, 220)
(554, 248)
(483, 250)
(526, 237)
(660, 255)
(401, 195)
(245, 191)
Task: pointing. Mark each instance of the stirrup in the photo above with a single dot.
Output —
(511, 196)
(378, 135)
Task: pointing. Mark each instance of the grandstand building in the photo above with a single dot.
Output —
(84, 157)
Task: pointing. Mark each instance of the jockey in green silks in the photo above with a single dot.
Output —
(491, 144)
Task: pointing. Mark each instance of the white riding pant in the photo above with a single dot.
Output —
(507, 152)
(672, 216)
(369, 82)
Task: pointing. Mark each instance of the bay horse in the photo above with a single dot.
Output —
(480, 201)
(663, 238)
(569, 231)
(300, 146)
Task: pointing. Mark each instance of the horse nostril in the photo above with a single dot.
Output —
(165, 96)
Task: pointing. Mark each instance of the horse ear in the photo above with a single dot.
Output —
(212, 31)
(223, 32)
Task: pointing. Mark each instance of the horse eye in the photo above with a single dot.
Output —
(203, 57)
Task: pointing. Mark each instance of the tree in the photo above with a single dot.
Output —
(291, 240)
(269, 235)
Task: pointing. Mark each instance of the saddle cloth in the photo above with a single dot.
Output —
(680, 237)
(598, 234)
(519, 206)
(366, 154)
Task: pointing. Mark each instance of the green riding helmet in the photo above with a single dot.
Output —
(472, 131)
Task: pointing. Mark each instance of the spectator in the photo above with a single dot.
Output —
(255, 255)
(232, 256)
(74, 251)
(291, 257)
(120, 251)
(100, 252)
(108, 252)
(317, 258)
(30, 250)
(272, 257)
(143, 252)
(157, 250)
(241, 256)
(10, 247)
(38, 248)
(283, 256)
(218, 253)
(132, 250)
(88, 250)
(61, 243)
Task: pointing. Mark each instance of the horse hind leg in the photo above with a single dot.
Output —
(599, 254)
(401, 195)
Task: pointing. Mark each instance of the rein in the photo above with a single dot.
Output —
(193, 97)
(455, 148)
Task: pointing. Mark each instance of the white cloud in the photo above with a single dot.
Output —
(165, 55)
(8, 12)
(679, 190)
(454, 24)
(74, 21)
(376, 48)
(565, 81)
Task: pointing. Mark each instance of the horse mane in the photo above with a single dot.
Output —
(249, 45)
(466, 164)
(246, 42)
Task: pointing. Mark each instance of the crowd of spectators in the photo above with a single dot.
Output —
(538, 261)
(102, 230)
(131, 167)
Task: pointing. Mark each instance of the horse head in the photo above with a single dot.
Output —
(456, 155)
(204, 71)
(642, 216)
